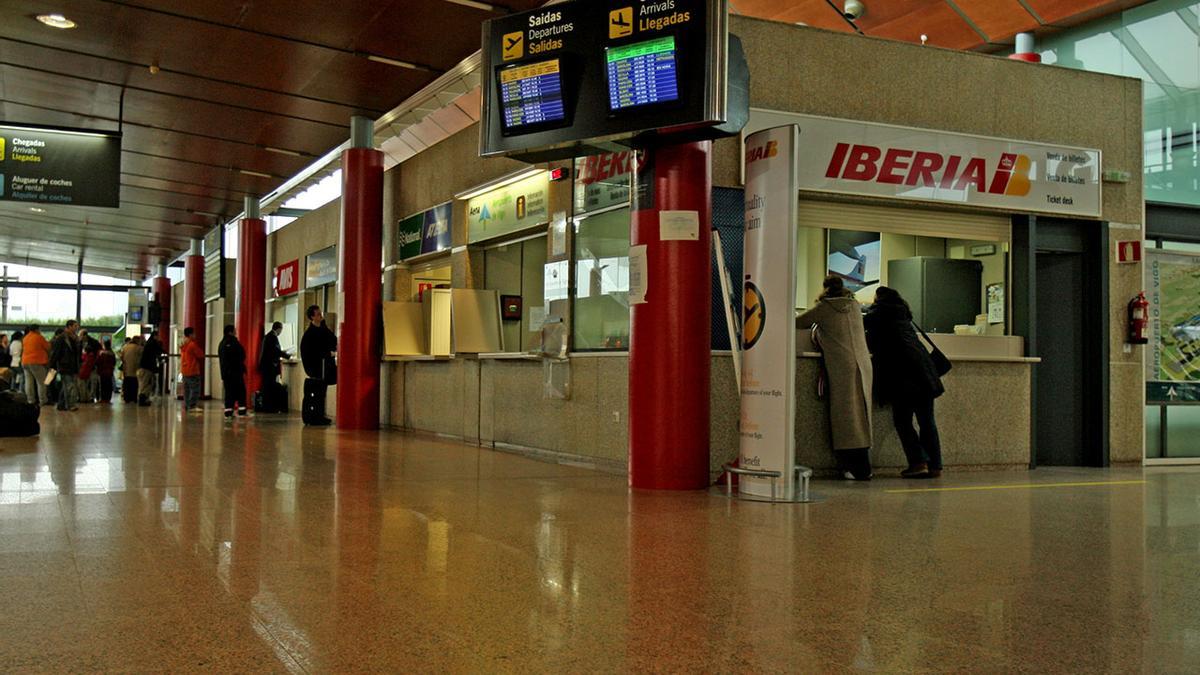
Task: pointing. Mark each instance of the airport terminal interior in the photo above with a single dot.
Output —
(625, 335)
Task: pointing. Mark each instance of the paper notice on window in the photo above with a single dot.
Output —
(638, 274)
(537, 317)
(679, 225)
(558, 234)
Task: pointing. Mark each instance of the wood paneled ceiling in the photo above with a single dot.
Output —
(220, 99)
(982, 25)
(242, 95)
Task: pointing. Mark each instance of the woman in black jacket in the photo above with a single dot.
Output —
(905, 377)
(232, 357)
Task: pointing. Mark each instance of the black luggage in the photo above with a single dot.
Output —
(272, 399)
(129, 389)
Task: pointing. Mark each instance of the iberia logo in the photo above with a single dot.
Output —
(919, 168)
(754, 315)
(771, 149)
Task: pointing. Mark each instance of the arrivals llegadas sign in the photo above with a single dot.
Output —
(59, 166)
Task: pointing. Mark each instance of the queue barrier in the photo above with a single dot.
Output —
(801, 477)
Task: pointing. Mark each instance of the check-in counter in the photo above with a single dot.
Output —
(984, 418)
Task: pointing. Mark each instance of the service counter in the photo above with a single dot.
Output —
(498, 401)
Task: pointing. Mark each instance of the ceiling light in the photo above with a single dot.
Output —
(255, 173)
(207, 213)
(499, 183)
(37, 209)
(56, 20)
(281, 151)
(393, 62)
(477, 5)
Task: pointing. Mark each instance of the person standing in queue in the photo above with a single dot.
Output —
(232, 357)
(106, 365)
(191, 360)
(149, 365)
(35, 361)
(268, 367)
(316, 353)
(839, 332)
(14, 350)
(907, 379)
(64, 357)
(131, 357)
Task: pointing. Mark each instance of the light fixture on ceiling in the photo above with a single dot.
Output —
(259, 174)
(393, 62)
(210, 214)
(854, 9)
(56, 21)
(477, 5)
(282, 151)
(924, 38)
(37, 209)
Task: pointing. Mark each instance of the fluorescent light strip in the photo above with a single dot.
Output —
(44, 130)
(255, 173)
(497, 184)
(281, 151)
(393, 62)
(477, 5)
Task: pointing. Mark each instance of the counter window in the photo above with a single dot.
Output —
(515, 270)
(602, 281)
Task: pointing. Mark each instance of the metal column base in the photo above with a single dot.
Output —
(802, 476)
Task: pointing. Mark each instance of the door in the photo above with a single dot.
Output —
(1061, 393)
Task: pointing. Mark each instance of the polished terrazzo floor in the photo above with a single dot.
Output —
(144, 540)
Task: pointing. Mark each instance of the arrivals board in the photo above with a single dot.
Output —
(45, 165)
(589, 76)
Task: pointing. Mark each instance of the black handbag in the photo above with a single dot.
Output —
(941, 364)
(329, 371)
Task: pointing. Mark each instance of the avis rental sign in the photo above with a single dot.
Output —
(880, 160)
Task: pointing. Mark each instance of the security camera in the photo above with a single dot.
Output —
(853, 9)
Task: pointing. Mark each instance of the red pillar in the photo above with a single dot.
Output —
(162, 294)
(361, 257)
(193, 303)
(251, 294)
(669, 346)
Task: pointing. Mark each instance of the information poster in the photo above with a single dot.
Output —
(50, 166)
(1173, 363)
(768, 405)
(509, 208)
(320, 268)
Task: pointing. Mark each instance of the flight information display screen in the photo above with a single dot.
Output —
(532, 95)
(643, 73)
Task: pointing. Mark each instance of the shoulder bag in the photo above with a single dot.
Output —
(941, 364)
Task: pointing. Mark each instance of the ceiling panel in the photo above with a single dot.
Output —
(942, 25)
(998, 19)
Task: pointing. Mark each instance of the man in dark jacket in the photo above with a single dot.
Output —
(316, 353)
(148, 369)
(269, 370)
(64, 357)
(232, 357)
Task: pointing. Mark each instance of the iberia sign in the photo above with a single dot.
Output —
(882, 160)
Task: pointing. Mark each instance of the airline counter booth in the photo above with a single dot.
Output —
(511, 282)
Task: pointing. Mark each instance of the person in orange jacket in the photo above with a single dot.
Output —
(35, 360)
(191, 356)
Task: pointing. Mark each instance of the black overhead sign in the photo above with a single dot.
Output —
(572, 78)
(40, 165)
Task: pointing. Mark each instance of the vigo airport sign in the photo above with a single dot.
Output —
(880, 160)
(40, 165)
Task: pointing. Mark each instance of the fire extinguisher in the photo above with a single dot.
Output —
(1139, 319)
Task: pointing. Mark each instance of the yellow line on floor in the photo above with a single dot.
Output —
(1019, 486)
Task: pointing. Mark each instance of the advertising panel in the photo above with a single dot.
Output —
(214, 264)
(59, 166)
(768, 386)
(509, 209)
(409, 237)
(881, 160)
(436, 228)
(286, 279)
(603, 180)
(320, 268)
(1173, 359)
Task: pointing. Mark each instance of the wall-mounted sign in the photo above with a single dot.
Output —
(881, 160)
(429, 231)
(60, 166)
(286, 279)
(560, 77)
(603, 180)
(1129, 252)
(214, 264)
(320, 268)
(509, 209)
(1172, 283)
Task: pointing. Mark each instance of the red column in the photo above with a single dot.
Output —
(361, 256)
(162, 293)
(193, 303)
(251, 294)
(669, 346)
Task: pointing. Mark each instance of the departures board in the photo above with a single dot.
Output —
(579, 76)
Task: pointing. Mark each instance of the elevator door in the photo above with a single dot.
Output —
(1061, 394)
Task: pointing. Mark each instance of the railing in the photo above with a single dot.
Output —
(801, 478)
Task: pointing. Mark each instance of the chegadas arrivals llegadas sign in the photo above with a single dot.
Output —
(881, 160)
(768, 385)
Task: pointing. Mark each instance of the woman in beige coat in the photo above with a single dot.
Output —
(839, 332)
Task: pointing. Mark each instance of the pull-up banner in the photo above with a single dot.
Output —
(768, 384)
(59, 166)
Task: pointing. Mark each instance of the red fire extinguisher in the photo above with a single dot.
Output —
(1139, 319)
